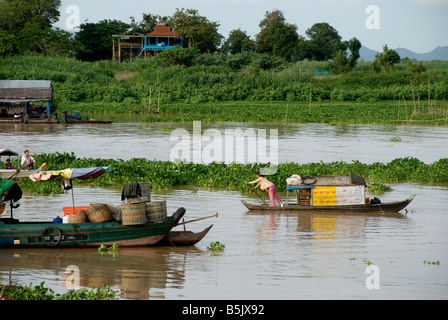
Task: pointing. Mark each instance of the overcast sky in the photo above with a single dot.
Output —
(418, 25)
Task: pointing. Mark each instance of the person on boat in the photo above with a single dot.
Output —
(27, 162)
(8, 164)
(267, 185)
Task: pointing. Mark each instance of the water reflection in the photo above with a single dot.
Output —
(138, 273)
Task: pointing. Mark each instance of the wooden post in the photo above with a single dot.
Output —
(158, 102)
(309, 105)
(149, 102)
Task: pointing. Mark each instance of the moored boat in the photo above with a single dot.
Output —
(86, 226)
(77, 119)
(394, 206)
(16, 174)
(331, 194)
(14, 233)
(184, 238)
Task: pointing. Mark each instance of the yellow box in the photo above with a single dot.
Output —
(324, 196)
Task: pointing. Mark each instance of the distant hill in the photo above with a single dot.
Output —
(439, 53)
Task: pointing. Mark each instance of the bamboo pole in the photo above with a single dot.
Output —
(405, 107)
(194, 220)
(309, 105)
(149, 102)
(158, 102)
(429, 93)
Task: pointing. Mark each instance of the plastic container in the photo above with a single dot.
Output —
(57, 220)
(73, 210)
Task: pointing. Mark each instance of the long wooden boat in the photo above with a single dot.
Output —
(14, 233)
(77, 119)
(29, 121)
(394, 206)
(184, 238)
(17, 174)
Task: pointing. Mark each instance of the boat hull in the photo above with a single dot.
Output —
(184, 238)
(381, 207)
(13, 174)
(83, 235)
(74, 121)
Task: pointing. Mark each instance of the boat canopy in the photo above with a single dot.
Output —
(7, 152)
(82, 173)
(9, 190)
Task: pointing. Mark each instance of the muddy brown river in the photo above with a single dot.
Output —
(271, 256)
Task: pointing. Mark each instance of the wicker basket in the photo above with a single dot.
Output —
(155, 211)
(77, 217)
(98, 212)
(133, 214)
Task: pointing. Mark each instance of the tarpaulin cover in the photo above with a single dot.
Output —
(7, 152)
(9, 190)
(83, 173)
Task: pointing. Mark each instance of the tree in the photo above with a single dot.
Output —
(283, 40)
(277, 37)
(238, 42)
(16, 14)
(94, 40)
(148, 23)
(197, 30)
(324, 41)
(8, 43)
(385, 60)
(354, 45)
(341, 64)
(57, 42)
(29, 21)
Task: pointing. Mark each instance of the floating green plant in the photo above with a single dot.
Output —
(431, 262)
(395, 139)
(216, 246)
(112, 249)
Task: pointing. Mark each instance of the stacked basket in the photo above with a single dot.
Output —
(140, 210)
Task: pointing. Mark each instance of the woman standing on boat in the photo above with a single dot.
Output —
(267, 185)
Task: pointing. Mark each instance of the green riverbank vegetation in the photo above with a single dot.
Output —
(219, 87)
(166, 174)
(279, 76)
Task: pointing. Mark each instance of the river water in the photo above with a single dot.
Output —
(284, 256)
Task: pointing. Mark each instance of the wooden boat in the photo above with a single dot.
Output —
(184, 238)
(77, 119)
(368, 207)
(14, 233)
(16, 174)
(28, 121)
(331, 193)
